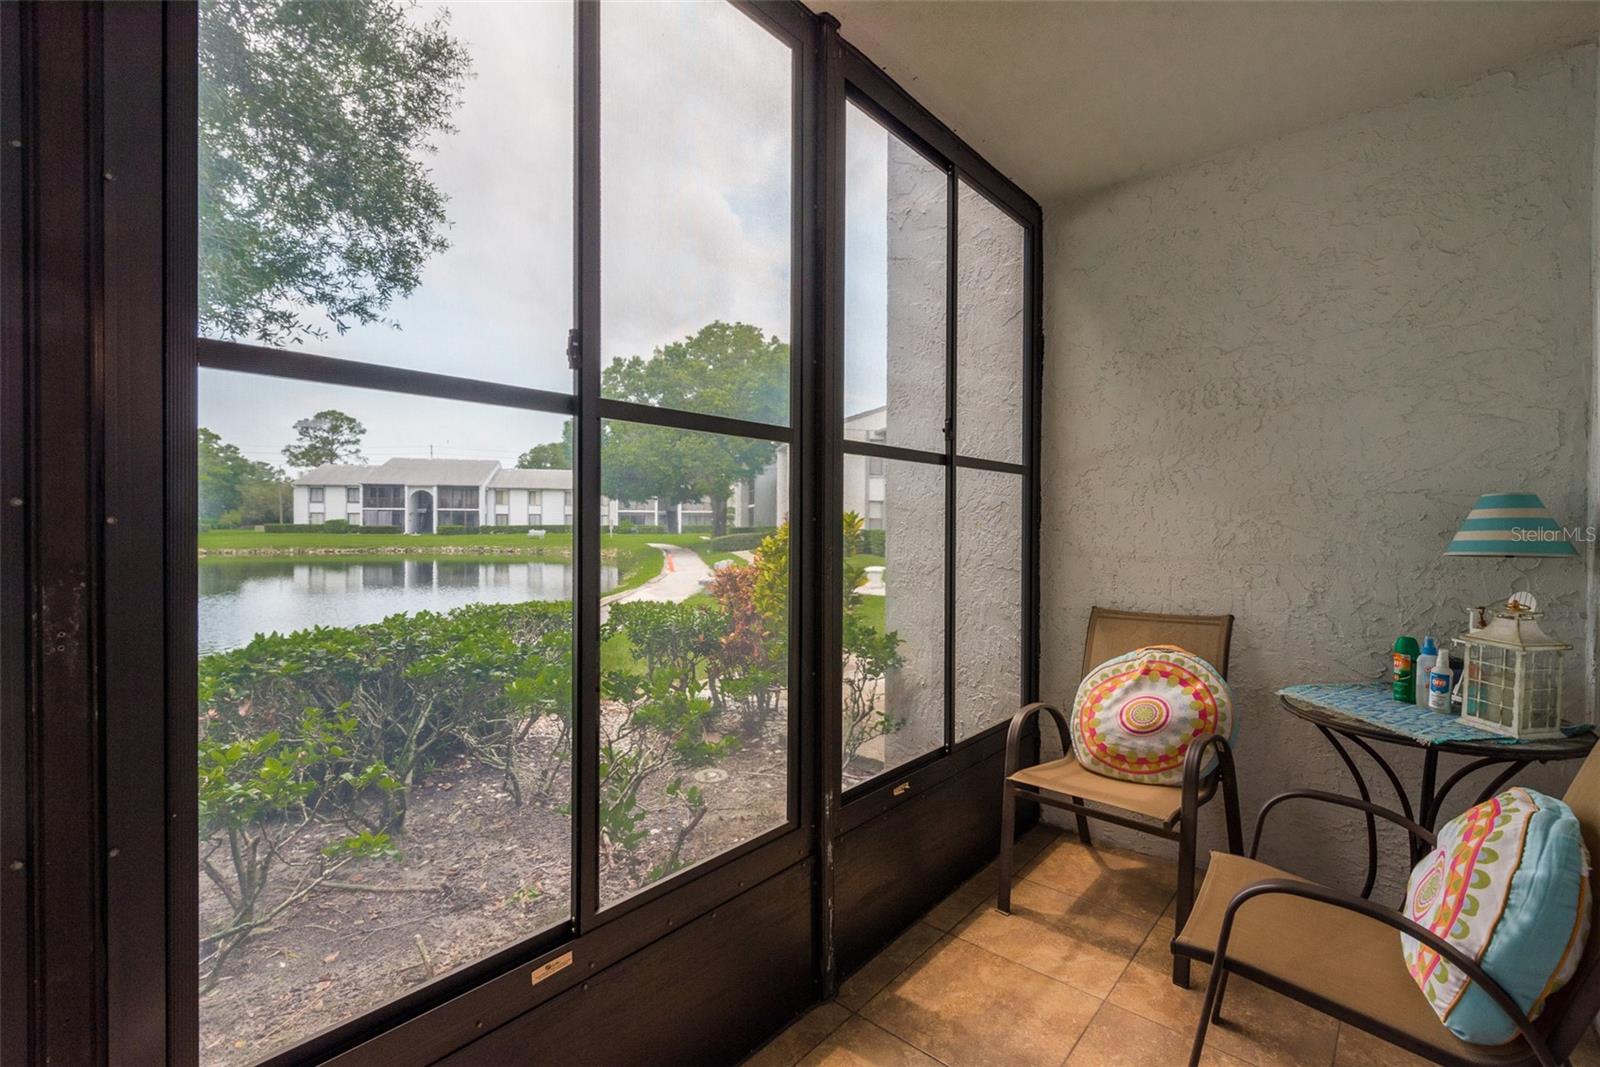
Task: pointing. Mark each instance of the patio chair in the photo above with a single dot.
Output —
(1340, 953)
(1169, 812)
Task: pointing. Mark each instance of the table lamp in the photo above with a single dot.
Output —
(1511, 680)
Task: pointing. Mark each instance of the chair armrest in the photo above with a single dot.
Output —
(1194, 761)
(1420, 833)
(1020, 720)
(1334, 898)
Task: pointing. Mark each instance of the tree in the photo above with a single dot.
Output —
(316, 120)
(329, 436)
(725, 369)
(235, 490)
(552, 456)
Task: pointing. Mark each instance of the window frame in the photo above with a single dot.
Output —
(147, 63)
(864, 85)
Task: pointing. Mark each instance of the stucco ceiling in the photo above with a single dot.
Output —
(1067, 97)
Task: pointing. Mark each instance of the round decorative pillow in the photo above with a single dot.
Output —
(1509, 886)
(1135, 716)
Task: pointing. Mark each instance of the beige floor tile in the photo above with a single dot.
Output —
(981, 889)
(881, 969)
(1036, 841)
(967, 1007)
(800, 1037)
(858, 1043)
(1259, 1026)
(1127, 881)
(1084, 945)
(1357, 1048)
(1119, 1038)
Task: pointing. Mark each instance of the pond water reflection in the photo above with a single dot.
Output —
(240, 598)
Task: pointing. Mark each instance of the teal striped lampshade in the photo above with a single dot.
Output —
(1510, 524)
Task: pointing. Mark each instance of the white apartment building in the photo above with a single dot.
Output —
(422, 495)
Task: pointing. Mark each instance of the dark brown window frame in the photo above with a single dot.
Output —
(87, 93)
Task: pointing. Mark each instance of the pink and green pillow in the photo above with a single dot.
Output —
(1136, 716)
(1509, 885)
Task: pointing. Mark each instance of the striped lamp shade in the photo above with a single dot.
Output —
(1510, 524)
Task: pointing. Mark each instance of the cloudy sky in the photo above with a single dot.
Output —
(696, 196)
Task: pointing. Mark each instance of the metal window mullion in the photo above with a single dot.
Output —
(585, 869)
(950, 429)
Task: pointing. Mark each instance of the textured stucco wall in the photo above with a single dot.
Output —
(1278, 378)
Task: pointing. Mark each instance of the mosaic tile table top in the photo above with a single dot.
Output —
(1371, 703)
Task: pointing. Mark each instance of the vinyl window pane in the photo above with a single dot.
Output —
(896, 280)
(352, 212)
(696, 175)
(438, 680)
(991, 331)
(894, 608)
(694, 709)
(988, 619)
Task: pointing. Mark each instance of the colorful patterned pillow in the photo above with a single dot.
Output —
(1135, 716)
(1509, 885)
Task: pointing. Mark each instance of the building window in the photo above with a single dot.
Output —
(316, 494)
(502, 498)
(352, 495)
(383, 496)
(384, 517)
(502, 519)
(875, 466)
(316, 518)
(458, 496)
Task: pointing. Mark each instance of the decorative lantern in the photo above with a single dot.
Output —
(1511, 684)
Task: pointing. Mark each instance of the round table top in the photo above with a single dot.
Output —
(1558, 748)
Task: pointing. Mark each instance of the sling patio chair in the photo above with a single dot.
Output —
(1340, 953)
(1165, 811)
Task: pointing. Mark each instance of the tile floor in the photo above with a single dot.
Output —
(1079, 974)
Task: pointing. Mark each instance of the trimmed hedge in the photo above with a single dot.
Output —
(872, 542)
(331, 526)
(451, 528)
(636, 528)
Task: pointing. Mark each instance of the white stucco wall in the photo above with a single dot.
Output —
(1277, 379)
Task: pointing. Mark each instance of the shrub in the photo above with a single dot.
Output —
(872, 542)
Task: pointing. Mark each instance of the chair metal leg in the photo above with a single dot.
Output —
(1083, 824)
(1222, 991)
(1187, 828)
(1008, 831)
(1219, 972)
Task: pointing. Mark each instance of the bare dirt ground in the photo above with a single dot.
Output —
(477, 873)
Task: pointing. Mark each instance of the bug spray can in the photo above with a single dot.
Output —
(1405, 669)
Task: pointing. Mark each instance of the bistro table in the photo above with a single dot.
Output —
(1363, 713)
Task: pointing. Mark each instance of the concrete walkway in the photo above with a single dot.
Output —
(681, 577)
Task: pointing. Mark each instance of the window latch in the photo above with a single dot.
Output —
(574, 348)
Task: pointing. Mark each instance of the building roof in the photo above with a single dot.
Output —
(403, 472)
(335, 474)
(517, 478)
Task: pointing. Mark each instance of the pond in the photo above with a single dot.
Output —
(240, 598)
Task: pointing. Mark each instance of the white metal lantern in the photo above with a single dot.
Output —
(1511, 684)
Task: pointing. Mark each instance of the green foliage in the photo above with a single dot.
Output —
(329, 436)
(872, 543)
(234, 490)
(259, 791)
(853, 528)
(749, 668)
(869, 655)
(552, 456)
(316, 121)
(724, 369)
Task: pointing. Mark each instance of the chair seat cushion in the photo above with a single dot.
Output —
(1136, 715)
(1508, 884)
(1342, 957)
(1068, 778)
